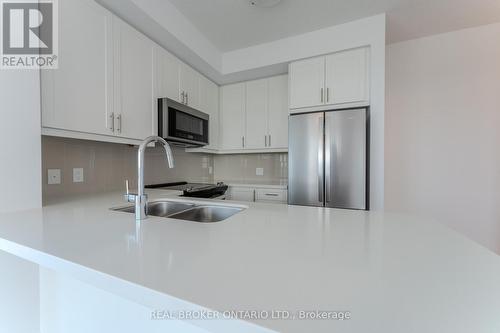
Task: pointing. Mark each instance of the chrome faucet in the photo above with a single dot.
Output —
(140, 199)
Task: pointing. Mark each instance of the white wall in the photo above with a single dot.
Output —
(443, 131)
(20, 166)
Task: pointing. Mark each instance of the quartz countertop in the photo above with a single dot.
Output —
(393, 273)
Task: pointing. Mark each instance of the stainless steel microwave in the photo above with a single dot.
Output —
(181, 124)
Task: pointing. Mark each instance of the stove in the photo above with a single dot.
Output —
(195, 190)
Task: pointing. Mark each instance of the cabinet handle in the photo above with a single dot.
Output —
(119, 127)
(112, 122)
(272, 194)
(265, 137)
(269, 140)
(322, 93)
(327, 95)
(243, 141)
(182, 98)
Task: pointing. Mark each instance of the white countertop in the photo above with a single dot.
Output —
(393, 273)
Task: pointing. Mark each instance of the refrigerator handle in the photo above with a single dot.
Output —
(321, 161)
(328, 164)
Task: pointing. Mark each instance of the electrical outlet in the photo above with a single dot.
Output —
(259, 171)
(77, 175)
(54, 176)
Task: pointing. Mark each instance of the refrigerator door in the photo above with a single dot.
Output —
(306, 160)
(345, 159)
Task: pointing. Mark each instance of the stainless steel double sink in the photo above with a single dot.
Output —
(186, 211)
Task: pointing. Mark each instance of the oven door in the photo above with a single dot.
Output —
(181, 124)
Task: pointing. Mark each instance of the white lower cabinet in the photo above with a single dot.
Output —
(271, 195)
(240, 194)
(250, 194)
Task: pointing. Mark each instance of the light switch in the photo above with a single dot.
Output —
(259, 171)
(77, 175)
(54, 176)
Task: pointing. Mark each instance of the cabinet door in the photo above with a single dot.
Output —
(78, 95)
(167, 74)
(232, 124)
(256, 114)
(347, 77)
(278, 112)
(307, 81)
(209, 103)
(189, 84)
(241, 194)
(134, 77)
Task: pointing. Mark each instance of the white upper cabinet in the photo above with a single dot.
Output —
(133, 82)
(338, 79)
(166, 73)
(256, 114)
(78, 95)
(189, 86)
(209, 103)
(346, 77)
(232, 113)
(307, 81)
(278, 112)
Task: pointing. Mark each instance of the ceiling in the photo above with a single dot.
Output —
(234, 24)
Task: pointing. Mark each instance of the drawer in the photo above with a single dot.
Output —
(270, 195)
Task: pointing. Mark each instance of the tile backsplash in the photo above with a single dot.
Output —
(106, 166)
(244, 168)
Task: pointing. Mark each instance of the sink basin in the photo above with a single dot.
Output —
(160, 208)
(207, 214)
(186, 211)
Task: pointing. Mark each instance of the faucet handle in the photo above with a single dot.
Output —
(129, 197)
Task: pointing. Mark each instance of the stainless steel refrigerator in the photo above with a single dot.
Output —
(327, 159)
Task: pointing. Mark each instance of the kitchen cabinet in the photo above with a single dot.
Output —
(257, 194)
(110, 93)
(78, 96)
(338, 79)
(346, 77)
(240, 194)
(167, 68)
(209, 103)
(133, 112)
(307, 81)
(271, 195)
(189, 81)
(256, 114)
(232, 113)
(278, 112)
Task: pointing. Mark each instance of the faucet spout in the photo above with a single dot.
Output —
(141, 199)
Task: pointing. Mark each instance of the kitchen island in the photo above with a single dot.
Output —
(275, 267)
